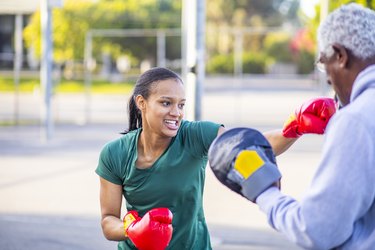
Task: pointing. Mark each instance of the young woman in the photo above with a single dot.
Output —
(160, 162)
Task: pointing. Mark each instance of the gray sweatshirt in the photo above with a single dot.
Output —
(338, 210)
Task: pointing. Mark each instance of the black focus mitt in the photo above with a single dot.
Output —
(242, 159)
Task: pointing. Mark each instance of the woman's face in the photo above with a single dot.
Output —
(163, 111)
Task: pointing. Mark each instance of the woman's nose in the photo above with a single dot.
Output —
(175, 111)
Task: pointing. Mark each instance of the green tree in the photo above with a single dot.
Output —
(71, 23)
(312, 24)
(228, 14)
(367, 3)
(224, 16)
(277, 47)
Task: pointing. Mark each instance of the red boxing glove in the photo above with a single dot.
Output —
(311, 117)
(151, 232)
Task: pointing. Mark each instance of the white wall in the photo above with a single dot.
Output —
(18, 6)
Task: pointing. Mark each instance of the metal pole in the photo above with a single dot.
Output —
(46, 68)
(238, 51)
(324, 9)
(200, 62)
(17, 64)
(184, 68)
(189, 57)
(161, 54)
(88, 75)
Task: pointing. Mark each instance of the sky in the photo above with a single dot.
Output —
(308, 7)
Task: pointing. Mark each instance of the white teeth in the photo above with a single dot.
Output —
(171, 122)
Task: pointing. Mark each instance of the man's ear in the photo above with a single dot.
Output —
(140, 102)
(341, 54)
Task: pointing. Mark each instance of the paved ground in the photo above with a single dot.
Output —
(49, 191)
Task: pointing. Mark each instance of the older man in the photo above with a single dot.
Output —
(338, 210)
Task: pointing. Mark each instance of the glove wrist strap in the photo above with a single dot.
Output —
(129, 218)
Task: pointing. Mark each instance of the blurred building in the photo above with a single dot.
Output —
(14, 16)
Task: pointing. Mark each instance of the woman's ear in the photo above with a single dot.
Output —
(140, 102)
(341, 54)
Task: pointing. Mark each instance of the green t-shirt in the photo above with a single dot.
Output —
(175, 180)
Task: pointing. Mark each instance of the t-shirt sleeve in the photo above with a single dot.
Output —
(201, 135)
(107, 166)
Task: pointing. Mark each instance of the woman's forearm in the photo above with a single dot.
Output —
(113, 228)
(278, 142)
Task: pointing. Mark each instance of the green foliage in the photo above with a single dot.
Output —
(31, 84)
(32, 34)
(313, 24)
(71, 23)
(307, 57)
(226, 16)
(367, 3)
(220, 64)
(25, 84)
(226, 12)
(277, 46)
(254, 63)
(305, 62)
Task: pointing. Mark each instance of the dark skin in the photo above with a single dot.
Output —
(342, 69)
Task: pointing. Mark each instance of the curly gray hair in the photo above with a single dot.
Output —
(352, 26)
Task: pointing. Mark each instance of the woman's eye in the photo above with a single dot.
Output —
(166, 103)
(181, 106)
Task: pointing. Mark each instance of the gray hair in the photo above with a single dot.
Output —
(352, 26)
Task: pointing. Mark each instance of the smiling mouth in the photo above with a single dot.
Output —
(171, 123)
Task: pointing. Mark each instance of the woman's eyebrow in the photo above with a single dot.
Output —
(171, 98)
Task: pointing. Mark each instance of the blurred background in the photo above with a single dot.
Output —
(67, 68)
(101, 46)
